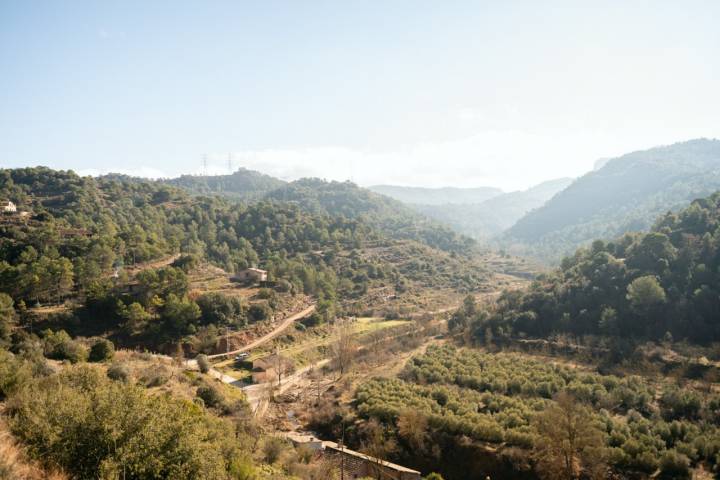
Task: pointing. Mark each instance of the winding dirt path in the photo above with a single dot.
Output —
(269, 336)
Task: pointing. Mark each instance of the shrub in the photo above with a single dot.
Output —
(203, 363)
(119, 372)
(156, 376)
(272, 449)
(59, 346)
(210, 396)
(101, 351)
(674, 465)
(95, 428)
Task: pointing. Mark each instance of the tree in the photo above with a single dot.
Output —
(135, 316)
(567, 434)
(608, 321)
(281, 365)
(7, 316)
(101, 351)
(343, 347)
(179, 313)
(413, 427)
(644, 294)
(378, 444)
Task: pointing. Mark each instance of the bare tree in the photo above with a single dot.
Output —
(569, 440)
(378, 445)
(413, 427)
(343, 348)
(282, 366)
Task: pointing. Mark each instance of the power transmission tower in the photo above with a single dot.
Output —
(204, 165)
(230, 165)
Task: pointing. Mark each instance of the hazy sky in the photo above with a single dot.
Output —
(504, 93)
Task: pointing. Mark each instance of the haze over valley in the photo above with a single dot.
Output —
(370, 240)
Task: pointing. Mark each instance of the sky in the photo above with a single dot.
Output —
(420, 93)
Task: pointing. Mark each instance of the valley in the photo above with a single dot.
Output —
(320, 315)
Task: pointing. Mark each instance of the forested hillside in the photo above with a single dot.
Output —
(386, 214)
(437, 196)
(661, 284)
(82, 235)
(495, 215)
(625, 194)
(243, 184)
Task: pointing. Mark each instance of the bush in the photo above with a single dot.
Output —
(203, 363)
(210, 396)
(94, 428)
(674, 465)
(59, 346)
(272, 449)
(119, 372)
(101, 351)
(155, 376)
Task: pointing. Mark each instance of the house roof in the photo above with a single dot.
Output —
(257, 270)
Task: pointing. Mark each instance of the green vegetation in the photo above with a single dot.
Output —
(91, 426)
(347, 200)
(243, 184)
(85, 238)
(507, 400)
(625, 195)
(662, 284)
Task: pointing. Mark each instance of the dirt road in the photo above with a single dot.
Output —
(269, 336)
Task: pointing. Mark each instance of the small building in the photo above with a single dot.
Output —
(8, 207)
(359, 465)
(266, 369)
(308, 441)
(254, 275)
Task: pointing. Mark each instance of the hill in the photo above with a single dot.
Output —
(84, 236)
(436, 196)
(495, 215)
(244, 184)
(660, 284)
(389, 216)
(625, 194)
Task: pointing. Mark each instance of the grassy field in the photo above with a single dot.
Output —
(309, 346)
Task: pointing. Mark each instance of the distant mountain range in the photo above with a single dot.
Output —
(625, 194)
(437, 196)
(547, 221)
(493, 216)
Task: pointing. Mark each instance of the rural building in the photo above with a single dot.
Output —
(266, 369)
(8, 207)
(308, 441)
(250, 275)
(358, 465)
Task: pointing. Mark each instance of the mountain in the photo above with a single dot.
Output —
(388, 215)
(436, 196)
(626, 194)
(493, 216)
(640, 285)
(244, 184)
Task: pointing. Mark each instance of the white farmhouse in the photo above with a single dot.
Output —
(8, 207)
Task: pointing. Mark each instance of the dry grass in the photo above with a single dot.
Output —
(15, 465)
